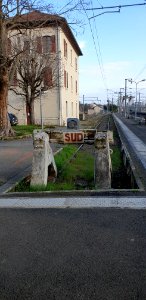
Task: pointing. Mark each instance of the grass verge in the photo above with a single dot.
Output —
(75, 172)
(22, 130)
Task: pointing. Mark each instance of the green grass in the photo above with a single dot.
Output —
(70, 171)
(22, 130)
(116, 159)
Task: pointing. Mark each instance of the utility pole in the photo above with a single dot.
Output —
(125, 97)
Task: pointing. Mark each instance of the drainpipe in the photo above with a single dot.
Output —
(58, 75)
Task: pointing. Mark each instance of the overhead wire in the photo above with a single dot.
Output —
(98, 55)
(99, 3)
(141, 71)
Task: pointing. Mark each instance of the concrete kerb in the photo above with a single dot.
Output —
(11, 138)
(75, 193)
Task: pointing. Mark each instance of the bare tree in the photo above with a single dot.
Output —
(10, 11)
(8, 17)
(36, 70)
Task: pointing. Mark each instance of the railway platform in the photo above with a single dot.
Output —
(134, 137)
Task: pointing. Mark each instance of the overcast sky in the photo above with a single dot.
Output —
(113, 46)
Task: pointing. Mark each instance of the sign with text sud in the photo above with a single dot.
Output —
(73, 137)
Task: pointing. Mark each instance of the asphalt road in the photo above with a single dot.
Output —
(97, 254)
(15, 156)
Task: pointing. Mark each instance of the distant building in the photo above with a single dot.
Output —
(52, 34)
(95, 109)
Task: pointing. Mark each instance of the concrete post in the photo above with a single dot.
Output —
(43, 163)
(102, 171)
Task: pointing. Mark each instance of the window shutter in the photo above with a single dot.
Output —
(39, 44)
(48, 82)
(9, 49)
(53, 44)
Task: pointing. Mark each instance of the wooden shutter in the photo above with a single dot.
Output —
(39, 44)
(48, 80)
(53, 44)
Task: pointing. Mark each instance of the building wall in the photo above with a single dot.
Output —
(59, 103)
(94, 110)
(69, 95)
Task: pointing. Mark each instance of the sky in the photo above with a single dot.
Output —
(113, 46)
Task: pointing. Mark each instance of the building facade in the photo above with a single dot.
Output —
(58, 93)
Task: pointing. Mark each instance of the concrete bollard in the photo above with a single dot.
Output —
(43, 163)
(102, 171)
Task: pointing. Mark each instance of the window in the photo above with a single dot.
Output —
(48, 80)
(48, 43)
(71, 84)
(65, 48)
(65, 79)
(66, 109)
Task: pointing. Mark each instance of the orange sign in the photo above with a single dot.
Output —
(73, 137)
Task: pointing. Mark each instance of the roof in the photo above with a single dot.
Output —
(36, 18)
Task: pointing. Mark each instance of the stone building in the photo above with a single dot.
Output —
(53, 36)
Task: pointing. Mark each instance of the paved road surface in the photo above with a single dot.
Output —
(79, 254)
(15, 156)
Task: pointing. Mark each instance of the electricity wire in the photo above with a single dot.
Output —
(141, 71)
(100, 54)
(98, 58)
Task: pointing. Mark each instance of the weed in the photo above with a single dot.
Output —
(72, 173)
(116, 159)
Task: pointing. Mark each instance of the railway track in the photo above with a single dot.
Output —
(103, 124)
